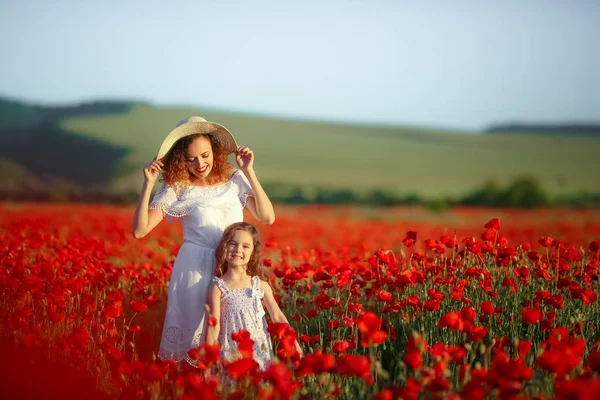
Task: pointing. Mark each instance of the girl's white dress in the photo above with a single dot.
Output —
(204, 212)
(242, 309)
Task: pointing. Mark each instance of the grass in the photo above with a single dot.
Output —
(360, 157)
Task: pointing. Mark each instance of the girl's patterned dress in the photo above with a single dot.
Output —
(242, 309)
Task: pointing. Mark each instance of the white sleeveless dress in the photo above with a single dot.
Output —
(205, 212)
(242, 309)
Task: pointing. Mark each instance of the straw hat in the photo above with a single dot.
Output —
(193, 125)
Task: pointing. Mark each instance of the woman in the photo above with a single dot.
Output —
(202, 190)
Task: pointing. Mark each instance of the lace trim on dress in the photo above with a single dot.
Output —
(175, 335)
(181, 202)
(245, 188)
(165, 355)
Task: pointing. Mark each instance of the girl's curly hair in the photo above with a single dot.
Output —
(255, 267)
(176, 172)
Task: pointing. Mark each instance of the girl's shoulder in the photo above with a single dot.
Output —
(218, 283)
(263, 283)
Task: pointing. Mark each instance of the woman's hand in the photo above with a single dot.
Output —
(152, 170)
(245, 158)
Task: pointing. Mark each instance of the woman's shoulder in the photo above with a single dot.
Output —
(173, 187)
(237, 175)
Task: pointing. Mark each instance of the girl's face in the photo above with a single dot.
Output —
(199, 157)
(239, 248)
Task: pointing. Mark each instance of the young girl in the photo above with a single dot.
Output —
(234, 298)
(203, 191)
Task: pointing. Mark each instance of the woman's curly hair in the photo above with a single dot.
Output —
(255, 267)
(176, 172)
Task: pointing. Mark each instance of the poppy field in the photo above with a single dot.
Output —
(397, 303)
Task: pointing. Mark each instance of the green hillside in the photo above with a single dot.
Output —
(358, 157)
(105, 144)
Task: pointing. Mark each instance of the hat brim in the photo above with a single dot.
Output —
(220, 134)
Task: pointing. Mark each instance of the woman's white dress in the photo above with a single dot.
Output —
(242, 309)
(205, 212)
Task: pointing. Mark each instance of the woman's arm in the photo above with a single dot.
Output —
(213, 304)
(145, 220)
(260, 205)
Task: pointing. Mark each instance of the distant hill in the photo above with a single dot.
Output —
(105, 144)
(16, 113)
(31, 137)
(592, 130)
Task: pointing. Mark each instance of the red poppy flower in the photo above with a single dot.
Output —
(477, 333)
(531, 315)
(594, 361)
(279, 330)
(489, 234)
(493, 223)
(523, 348)
(241, 367)
(369, 326)
(487, 308)
(449, 241)
(246, 347)
(434, 294)
(281, 379)
(240, 335)
(271, 243)
(333, 324)
(468, 313)
(510, 283)
(24, 312)
(413, 359)
(56, 316)
(340, 346)
(384, 296)
(316, 363)
(352, 365)
(410, 239)
(138, 306)
(81, 337)
(432, 305)
(452, 320)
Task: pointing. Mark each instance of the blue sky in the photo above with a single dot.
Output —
(456, 64)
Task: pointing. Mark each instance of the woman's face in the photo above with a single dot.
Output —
(199, 157)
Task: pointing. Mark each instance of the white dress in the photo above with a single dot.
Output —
(205, 212)
(242, 309)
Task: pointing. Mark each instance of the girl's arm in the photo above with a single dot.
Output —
(260, 205)
(213, 304)
(145, 220)
(274, 310)
(272, 307)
